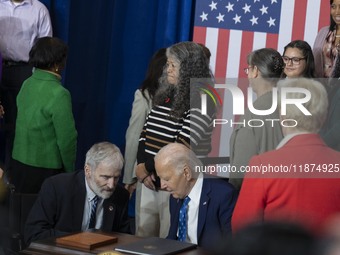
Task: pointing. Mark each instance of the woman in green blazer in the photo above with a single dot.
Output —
(45, 135)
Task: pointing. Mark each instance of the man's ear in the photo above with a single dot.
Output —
(187, 173)
(256, 71)
(87, 170)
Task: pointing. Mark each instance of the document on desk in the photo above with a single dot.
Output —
(155, 246)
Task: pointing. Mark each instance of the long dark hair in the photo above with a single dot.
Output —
(307, 52)
(332, 25)
(154, 72)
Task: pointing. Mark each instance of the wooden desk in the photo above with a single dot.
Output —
(49, 246)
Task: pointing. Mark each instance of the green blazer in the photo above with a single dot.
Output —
(45, 134)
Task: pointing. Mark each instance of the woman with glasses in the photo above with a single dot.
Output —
(327, 43)
(299, 60)
(253, 134)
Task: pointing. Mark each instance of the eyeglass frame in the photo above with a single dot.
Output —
(246, 69)
(296, 59)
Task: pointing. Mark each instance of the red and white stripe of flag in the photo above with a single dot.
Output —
(300, 19)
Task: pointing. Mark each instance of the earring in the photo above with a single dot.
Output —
(57, 69)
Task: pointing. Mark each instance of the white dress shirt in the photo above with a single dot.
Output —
(87, 209)
(21, 25)
(193, 208)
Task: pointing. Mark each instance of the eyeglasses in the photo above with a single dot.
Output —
(295, 60)
(246, 70)
(334, 6)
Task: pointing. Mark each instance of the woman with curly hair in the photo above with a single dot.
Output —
(265, 67)
(175, 117)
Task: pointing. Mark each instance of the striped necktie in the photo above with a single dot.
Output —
(182, 223)
(94, 204)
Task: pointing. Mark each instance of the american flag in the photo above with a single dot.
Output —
(233, 28)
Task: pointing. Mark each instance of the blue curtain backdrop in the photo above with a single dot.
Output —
(59, 12)
(110, 44)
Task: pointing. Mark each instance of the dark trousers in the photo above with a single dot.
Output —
(28, 179)
(12, 78)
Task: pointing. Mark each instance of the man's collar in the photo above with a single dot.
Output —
(22, 3)
(195, 193)
(288, 137)
(89, 193)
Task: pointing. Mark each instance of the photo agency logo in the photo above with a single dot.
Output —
(208, 90)
(239, 102)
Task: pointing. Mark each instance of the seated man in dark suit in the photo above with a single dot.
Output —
(211, 200)
(81, 200)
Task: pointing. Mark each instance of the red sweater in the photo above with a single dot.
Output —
(292, 196)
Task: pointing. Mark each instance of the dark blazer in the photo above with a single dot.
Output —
(330, 132)
(59, 208)
(217, 203)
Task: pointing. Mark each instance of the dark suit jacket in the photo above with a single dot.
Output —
(59, 208)
(330, 132)
(217, 203)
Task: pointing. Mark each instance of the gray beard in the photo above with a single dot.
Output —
(101, 193)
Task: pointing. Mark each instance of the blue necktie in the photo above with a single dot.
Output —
(182, 223)
(94, 203)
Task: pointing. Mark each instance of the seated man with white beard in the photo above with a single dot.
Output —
(65, 201)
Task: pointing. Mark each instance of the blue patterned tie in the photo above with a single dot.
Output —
(182, 223)
(94, 203)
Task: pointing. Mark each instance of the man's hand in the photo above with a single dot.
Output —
(131, 187)
(144, 177)
(2, 111)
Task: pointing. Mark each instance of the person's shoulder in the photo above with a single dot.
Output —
(120, 197)
(331, 153)
(262, 102)
(267, 156)
(121, 189)
(322, 32)
(138, 93)
(146, 95)
(39, 5)
(142, 97)
(121, 193)
(62, 89)
(325, 28)
(218, 183)
(59, 89)
(65, 177)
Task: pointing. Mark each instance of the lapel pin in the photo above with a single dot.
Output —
(204, 203)
(110, 208)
